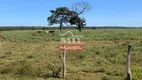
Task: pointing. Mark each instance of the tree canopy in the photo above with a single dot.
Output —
(59, 16)
(63, 15)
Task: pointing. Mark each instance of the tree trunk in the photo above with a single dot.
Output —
(79, 27)
(80, 30)
(61, 26)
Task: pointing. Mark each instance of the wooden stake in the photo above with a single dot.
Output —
(64, 64)
(129, 76)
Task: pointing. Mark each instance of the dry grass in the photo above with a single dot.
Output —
(101, 60)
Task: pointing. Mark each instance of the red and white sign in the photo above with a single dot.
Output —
(71, 42)
(70, 47)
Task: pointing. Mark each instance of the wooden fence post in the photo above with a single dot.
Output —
(129, 76)
(64, 64)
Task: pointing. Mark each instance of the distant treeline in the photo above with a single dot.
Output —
(6, 28)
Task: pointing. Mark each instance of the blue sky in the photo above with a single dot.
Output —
(104, 12)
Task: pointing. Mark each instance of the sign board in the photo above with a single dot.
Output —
(71, 43)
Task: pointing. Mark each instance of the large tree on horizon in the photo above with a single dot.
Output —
(80, 8)
(64, 15)
(59, 16)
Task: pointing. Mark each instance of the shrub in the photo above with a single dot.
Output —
(26, 68)
(55, 68)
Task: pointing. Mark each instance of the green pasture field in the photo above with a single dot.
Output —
(35, 55)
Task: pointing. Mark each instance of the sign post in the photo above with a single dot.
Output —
(64, 64)
(71, 43)
(129, 75)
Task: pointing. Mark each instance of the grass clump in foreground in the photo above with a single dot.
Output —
(29, 55)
